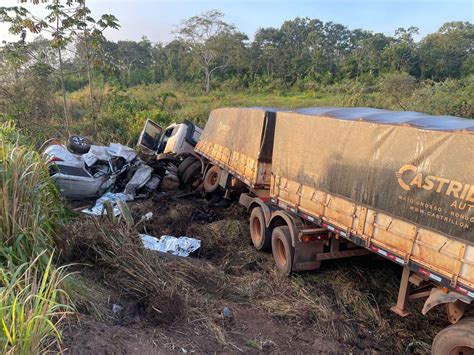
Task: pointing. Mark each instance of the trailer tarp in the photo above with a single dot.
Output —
(407, 164)
(242, 130)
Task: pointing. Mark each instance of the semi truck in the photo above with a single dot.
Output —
(328, 183)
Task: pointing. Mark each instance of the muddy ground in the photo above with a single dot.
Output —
(163, 306)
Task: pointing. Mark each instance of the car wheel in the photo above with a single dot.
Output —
(78, 144)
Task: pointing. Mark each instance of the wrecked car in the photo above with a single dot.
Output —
(80, 175)
(82, 170)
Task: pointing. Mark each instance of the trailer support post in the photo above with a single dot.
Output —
(401, 307)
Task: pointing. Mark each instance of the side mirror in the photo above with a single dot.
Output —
(150, 136)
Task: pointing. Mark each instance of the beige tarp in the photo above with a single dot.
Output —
(421, 175)
(239, 130)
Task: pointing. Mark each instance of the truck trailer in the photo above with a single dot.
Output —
(328, 183)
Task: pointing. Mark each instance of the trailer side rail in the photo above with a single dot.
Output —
(445, 261)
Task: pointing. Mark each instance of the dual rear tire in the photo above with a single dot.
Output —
(191, 167)
(278, 239)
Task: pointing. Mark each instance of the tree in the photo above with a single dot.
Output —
(205, 35)
(90, 35)
(64, 23)
(443, 53)
(398, 87)
(401, 53)
(264, 50)
(57, 23)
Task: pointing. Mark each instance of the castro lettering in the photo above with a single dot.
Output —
(409, 178)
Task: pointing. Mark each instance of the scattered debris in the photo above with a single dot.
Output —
(153, 183)
(116, 308)
(146, 217)
(140, 178)
(170, 182)
(182, 246)
(99, 208)
(173, 303)
(226, 312)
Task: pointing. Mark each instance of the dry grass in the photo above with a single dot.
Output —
(347, 300)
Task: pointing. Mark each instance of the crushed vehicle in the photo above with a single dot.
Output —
(82, 170)
(329, 183)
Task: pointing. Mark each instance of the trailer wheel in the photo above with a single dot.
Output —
(261, 236)
(192, 172)
(282, 249)
(455, 339)
(185, 164)
(211, 180)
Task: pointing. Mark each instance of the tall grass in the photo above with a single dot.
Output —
(31, 300)
(29, 206)
(32, 304)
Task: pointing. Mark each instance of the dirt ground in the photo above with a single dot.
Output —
(230, 298)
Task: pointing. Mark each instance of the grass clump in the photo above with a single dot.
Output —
(29, 207)
(32, 304)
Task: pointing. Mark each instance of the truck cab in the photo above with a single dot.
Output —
(177, 138)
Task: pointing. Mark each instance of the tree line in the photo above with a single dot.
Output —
(72, 52)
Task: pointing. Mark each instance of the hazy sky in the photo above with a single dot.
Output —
(156, 18)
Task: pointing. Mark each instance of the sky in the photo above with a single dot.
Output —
(156, 19)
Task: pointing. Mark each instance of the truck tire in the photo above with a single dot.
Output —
(166, 158)
(260, 235)
(185, 164)
(78, 144)
(455, 339)
(211, 180)
(191, 172)
(283, 251)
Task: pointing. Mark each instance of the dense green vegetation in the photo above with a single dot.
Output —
(78, 81)
(31, 300)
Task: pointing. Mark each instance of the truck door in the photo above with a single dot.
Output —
(150, 136)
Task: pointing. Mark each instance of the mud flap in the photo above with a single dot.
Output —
(224, 179)
(305, 256)
(438, 296)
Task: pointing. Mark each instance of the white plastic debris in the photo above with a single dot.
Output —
(99, 209)
(153, 183)
(147, 216)
(116, 308)
(182, 246)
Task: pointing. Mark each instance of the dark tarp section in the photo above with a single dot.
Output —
(407, 164)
